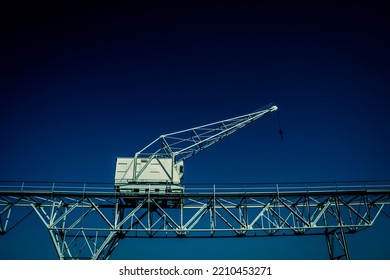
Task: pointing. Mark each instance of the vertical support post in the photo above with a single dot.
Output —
(212, 213)
(342, 239)
(149, 229)
(246, 216)
(279, 220)
(335, 239)
(337, 244)
(181, 215)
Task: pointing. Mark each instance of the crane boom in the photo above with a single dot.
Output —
(162, 161)
(185, 143)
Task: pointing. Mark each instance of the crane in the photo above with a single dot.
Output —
(159, 166)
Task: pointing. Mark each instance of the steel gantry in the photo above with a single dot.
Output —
(86, 224)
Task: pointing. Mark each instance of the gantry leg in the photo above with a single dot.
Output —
(337, 244)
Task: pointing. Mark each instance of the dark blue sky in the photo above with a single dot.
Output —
(81, 85)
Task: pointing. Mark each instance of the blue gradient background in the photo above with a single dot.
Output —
(82, 84)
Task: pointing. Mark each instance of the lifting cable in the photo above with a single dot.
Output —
(280, 126)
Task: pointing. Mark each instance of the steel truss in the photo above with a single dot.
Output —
(89, 225)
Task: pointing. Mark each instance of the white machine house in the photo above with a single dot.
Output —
(159, 167)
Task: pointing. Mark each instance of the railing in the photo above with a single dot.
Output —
(63, 187)
(202, 188)
(289, 187)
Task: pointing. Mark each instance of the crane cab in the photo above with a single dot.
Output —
(141, 175)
